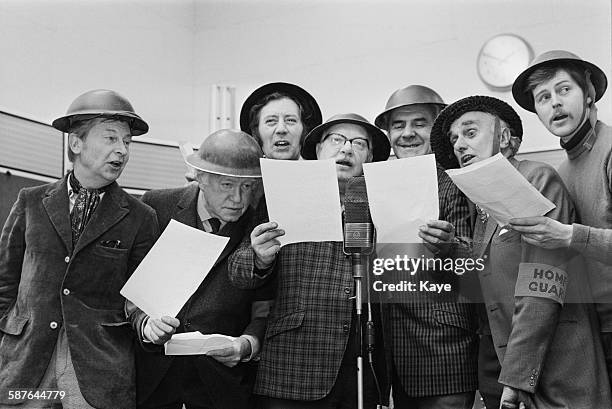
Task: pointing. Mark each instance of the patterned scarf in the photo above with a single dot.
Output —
(84, 206)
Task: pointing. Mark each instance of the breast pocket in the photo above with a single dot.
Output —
(285, 323)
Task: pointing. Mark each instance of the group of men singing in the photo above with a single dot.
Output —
(67, 248)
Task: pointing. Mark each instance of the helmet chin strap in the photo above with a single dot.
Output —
(496, 136)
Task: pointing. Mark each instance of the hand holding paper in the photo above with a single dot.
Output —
(159, 331)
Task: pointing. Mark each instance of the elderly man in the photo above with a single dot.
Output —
(434, 343)
(562, 90)
(546, 341)
(228, 173)
(66, 250)
(308, 360)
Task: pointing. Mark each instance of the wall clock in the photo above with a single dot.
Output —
(501, 59)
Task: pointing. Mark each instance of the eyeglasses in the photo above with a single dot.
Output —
(338, 140)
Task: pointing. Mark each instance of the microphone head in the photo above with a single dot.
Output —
(358, 228)
(356, 207)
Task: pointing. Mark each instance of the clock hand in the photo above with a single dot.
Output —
(492, 56)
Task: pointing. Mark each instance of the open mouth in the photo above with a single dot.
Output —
(344, 162)
(116, 164)
(281, 144)
(559, 117)
(466, 158)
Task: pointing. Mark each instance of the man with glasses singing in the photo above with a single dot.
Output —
(308, 360)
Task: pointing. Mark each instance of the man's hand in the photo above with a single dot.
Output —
(159, 331)
(515, 399)
(438, 236)
(232, 355)
(264, 244)
(543, 231)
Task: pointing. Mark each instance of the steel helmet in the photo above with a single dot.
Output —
(524, 98)
(410, 95)
(381, 148)
(228, 152)
(101, 103)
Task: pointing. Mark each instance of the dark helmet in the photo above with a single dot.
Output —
(598, 79)
(228, 152)
(410, 95)
(101, 103)
(381, 148)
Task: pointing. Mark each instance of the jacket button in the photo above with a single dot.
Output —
(67, 259)
(53, 325)
(66, 291)
(187, 324)
(347, 290)
(346, 328)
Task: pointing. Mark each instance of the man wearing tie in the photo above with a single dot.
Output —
(227, 173)
(66, 250)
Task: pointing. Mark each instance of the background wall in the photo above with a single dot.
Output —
(165, 55)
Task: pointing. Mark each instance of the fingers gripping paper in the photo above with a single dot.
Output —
(173, 270)
(541, 280)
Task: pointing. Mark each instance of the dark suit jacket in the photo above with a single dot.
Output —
(216, 307)
(550, 350)
(46, 283)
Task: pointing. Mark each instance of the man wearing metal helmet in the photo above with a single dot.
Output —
(543, 346)
(308, 360)
(562, 90)
(66, 250)
(228, 177)
(435, 366)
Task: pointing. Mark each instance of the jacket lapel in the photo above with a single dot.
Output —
(483, 236)
(57, 206)
(112, 208)
(186, 210)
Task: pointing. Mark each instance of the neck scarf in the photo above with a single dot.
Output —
(84, 206)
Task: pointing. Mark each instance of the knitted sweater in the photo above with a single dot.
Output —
(587, 172)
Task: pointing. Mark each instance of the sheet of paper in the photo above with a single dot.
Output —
(303, 198)
(499, 189)
(403, 195)
(173, 269)
(196, 343)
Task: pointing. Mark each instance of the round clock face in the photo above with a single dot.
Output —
(501, 59)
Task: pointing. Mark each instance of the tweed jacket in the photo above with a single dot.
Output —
(547, 349)
(434, 338)
(216, 307)
(45, 283)
(311, 322)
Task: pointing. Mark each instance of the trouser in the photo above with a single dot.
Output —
(60, 376)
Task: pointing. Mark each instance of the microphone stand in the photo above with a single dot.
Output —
(360, 262)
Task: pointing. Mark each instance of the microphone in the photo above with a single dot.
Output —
(358, 227)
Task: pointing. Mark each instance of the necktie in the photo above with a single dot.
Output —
(215, 224)
(84, 206)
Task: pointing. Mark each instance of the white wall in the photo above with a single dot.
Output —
(165, 55)
(351, 55)
(52, 51)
